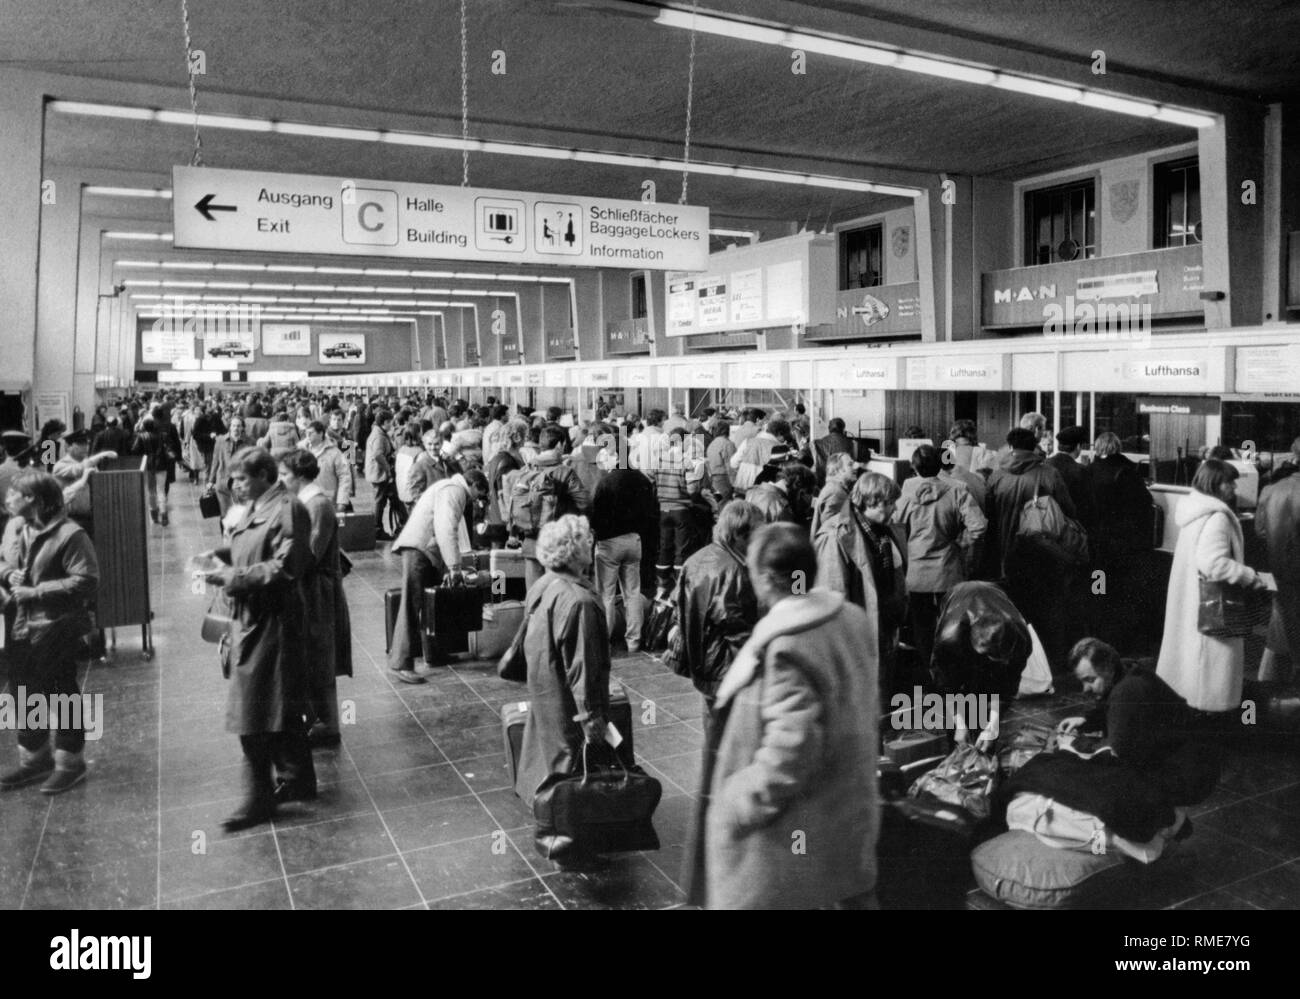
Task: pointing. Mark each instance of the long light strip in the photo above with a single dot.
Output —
(358, 271)
(359, 289)
(949, 69)
(252, 124)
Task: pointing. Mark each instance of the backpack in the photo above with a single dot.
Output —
(1045, 526)
(533, 497)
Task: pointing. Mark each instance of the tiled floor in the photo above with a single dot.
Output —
(415, 808)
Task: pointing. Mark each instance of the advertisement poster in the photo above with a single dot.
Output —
(233, 344)
(165, 346)
(341, 348)
(286, 340)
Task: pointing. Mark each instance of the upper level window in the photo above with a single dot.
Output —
(639, 309)
(862, 263)
(1177, 203)
(1061, 223)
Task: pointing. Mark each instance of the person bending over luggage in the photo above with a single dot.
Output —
(433, 544)
(792, 813)
(981, 645)
(566, 645)
(1146, 724)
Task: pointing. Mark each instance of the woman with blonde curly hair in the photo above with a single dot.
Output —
(567, 648)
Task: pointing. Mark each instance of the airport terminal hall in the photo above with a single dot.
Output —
(651, 454)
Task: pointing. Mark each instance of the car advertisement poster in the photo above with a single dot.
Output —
(341, 348)
(286, 340)
(230, 343)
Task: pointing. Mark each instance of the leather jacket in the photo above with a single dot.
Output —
(715, 612)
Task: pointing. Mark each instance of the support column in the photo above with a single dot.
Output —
(20, 207)
(1231, 161)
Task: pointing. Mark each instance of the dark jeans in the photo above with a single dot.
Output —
(386, 498)
(48, 668)
(418, 574)
(923, 610)
(679, 537)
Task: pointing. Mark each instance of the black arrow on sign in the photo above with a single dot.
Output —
(206, 207)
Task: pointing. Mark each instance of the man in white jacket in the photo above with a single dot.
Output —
(433, 544)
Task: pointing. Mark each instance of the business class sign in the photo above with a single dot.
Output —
(297, 213)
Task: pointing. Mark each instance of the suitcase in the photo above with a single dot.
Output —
(500, 622)
(515, 713)
(449, 609)
(506, 566)
(449, 643)
(904, 747)
(924, 854)
(357, 532)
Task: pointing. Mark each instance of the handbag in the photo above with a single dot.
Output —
(345, 565)
(209, 505)
(965, 779)
(1230, 610)
(218, 619)
(602, 810)
(658, 626)
(513, 664)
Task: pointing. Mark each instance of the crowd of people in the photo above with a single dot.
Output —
(798, 589)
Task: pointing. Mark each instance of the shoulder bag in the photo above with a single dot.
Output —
(1230, 610)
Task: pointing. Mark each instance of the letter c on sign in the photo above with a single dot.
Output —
(361, 216)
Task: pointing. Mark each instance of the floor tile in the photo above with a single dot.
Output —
(628, 883)
(372, 884)
(333, 842)
(264, 895)
(432, 822)
(530, 894)
(466, 866)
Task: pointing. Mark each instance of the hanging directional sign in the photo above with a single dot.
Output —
(296, 213)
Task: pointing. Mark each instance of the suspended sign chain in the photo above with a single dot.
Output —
(690, 100)
(464, 99)
(197, 158)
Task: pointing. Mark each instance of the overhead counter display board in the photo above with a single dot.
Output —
(297, 213)
(783, 282)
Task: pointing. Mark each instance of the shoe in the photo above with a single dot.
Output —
(407, 675)
(287, 791)
(153, 515)
(633, 649)
(69, 771)
(32, 766)
(320, 737)
(248, 817)
(580, 864)
(162, 519)
(383, 536)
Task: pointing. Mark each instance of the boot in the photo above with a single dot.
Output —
(33, 764)
(69, 771)
(259, 794)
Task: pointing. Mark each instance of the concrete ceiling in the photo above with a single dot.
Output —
(601, 79)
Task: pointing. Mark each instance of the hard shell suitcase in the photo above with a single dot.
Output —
(452, 609)
(209, 505)
(357, 532)
(500, 622)
(506, 567)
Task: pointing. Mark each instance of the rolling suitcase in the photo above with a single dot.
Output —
(357, 532)
(515, 714)
(450, 609)
(500, 622)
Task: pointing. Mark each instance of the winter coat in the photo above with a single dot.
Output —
(1206, 671)
(832, 444)
(222, 452)
(844, 565)
(267, 657)
(438, 524)
(566, 645)
(379, 456)
(1277, 524)
(1078, 483)
(58, 561)
(280, 436)
(715, 612)
(1122, 510)
(1020, 476)
(944, 525)
(792, 814)
(828, 503)
(973, 481)
(329, 625)
(335, 476)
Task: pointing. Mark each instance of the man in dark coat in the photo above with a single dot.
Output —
(1277, 524)
(835, 442)
(1069, 445)
(1034, 579)
(266, 656)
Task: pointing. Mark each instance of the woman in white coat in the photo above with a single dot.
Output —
(1206, 671)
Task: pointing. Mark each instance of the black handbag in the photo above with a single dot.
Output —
(602, 810)
(658, 626)
(218, 619)
(1230, 610)
(209, 505)
(513, 664)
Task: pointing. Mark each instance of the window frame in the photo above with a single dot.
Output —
(1028, 241)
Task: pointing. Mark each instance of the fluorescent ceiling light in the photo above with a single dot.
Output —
(1190, 118)
(744, 30)
(1121, 105)
(149, 237)
(945, 69)
(1038, 88)
(843, 50)
(327, 131)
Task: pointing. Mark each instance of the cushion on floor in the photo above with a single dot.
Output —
(1017, 869)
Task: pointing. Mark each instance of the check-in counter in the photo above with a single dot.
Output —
(1167, 499)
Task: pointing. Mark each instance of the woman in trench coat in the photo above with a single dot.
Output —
(566, 646)
(329, 626)
(266, 656)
